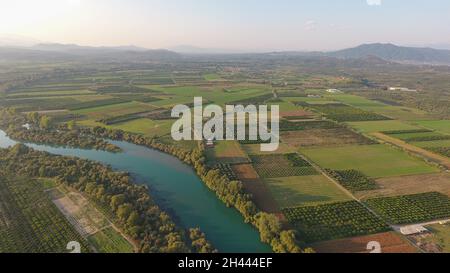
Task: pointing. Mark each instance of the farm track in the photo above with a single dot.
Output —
(441, 160)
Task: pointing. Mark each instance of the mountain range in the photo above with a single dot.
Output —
(53, 51)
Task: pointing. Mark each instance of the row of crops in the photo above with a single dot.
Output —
(343, 113)
(334, 221)
(286, 125)
(278, 165)
(225, 169)
(30, 222)
(408, 209)
(353, 180)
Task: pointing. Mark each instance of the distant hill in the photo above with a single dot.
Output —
(390, 52)
(62, 52)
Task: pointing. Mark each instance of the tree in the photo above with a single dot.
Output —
(44, 122)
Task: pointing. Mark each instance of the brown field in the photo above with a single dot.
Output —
(404, 185)
(253, 185)
(322, 137)
(390, 243)
(245, 172)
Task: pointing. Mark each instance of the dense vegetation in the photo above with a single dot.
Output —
(414, 208)
(41, 131)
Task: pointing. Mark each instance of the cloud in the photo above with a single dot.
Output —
(374, 2)
(310, 25)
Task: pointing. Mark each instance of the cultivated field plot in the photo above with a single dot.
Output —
(114, 110)
(228, 152)
(30, 222)
(342, 112)
(391, 111)
(304, 191)
(91, 223)
(286, 125)
(409, 209)
(256, 187)
(334, 221)
(323, 137)
(353, 180)
(442, 126)
(412, 184)
(255, 149)
(109, 240)
(421, 137)
(271, 166)
(390, 243)
(372, 160)
(381, 126)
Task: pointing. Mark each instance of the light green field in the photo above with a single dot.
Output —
(144, 126)
(414, 135)
(394, 112)
(212, 77)
(380, 126)
(110, 241)
(115, 110)
(305, 191)
(285, 106)
(430, 144)
(373, 160)
(442, 126)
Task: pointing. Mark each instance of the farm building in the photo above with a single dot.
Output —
(413, 230)
(402, 89)
(334, 91)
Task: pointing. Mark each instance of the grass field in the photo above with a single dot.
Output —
(305, 191)
(372, 160)
(109, 241)
(380, 126)
(442, 126)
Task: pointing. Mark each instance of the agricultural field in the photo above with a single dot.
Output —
(390, 243)
(114, 110)
(90, 222)
(409, 209)
(304, 191)
(228, 152)
(353, 180)
(381, 126)
(323, 137)
(374, 161)
(277, 165)
(442, 126)
(410, 184)
(344, 113)
(334, 221)
(30, 222)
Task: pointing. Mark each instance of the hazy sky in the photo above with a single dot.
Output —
(229, 24)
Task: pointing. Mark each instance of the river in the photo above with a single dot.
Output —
(177, 189)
